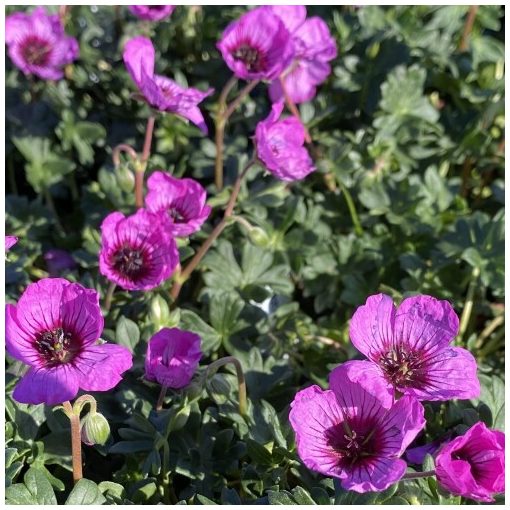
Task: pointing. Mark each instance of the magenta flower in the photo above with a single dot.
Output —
(172, 357)
(183, 200)
(352, 434)
(160, 92)
(10, 241)
(58, 260)
(280, 146)
(38, 45)
(410, 347)
(313, 46)
(151, 12)
(257, 45)
(54, 329)
(473, 465)
(137, 252)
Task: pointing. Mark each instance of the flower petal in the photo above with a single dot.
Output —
(375, 475)
(139, 56)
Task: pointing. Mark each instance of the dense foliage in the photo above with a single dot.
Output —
(407, 198)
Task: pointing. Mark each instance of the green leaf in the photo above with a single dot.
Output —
(36, 490)
(127, 333)
(85, 492)
(493, 395)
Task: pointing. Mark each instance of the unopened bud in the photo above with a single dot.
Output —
(94, 429)
(125, 178)
(259, 237)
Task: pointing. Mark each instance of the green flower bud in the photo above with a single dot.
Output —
(94, 429)
(125, 178)
(259, 237)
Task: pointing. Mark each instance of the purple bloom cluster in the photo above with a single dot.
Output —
(151, 12)
(38, 45)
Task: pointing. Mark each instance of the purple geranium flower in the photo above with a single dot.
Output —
(172, 357)
(314, 47)
(183, 200)
(410, 348)
(353, 434)
(473, 465)
(58, 260)
(257, 45)
(160, 92)
(10, 241)
(280, 146)
(38, 45)
(151, 12)
(54, 329)
(137, 253)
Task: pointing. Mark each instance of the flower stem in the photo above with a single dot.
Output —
(148, 141)
(423, 474)
(75, 441)
(224, 113)
(123, 147)
(199, 255)
(161, 398)
(109, 296)
(468, 27)
(213, 368)
(468, 305)
(53, 209)
(352, 209)
(293, 109)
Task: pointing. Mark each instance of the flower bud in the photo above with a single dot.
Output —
(125, 178)
(259, 237)
(94, 429)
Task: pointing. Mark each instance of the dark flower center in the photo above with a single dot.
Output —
(176, 215)
(402, 368)
(130, 262)
(252, 58)
(156, 8)
(36, 51)
(350, 444)
(56, 346)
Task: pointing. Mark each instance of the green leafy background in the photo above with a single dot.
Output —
(407, 127)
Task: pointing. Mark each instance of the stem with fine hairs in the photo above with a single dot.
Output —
(142, 165)
(199, 255)
(75, 441)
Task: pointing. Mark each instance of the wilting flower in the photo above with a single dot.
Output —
(54, 328)
(151, 12)
(137, 253)
(313, 47)
(410, 348)
(280, 146)
(58, 260)
(38, 44)
(352, 434)
(473, 465)
(160, 92)
(257, 45)
(183, 200)
(10, 241)
(172, 357)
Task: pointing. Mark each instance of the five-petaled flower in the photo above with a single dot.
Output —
(257, 45)
(280, 146)
(172, 357)
(137, 252)
(38, 44)
(410, 348)
(473, 465)
(182, 200)
(313, 47)
(353, 434)
(160, 92)
(54, 328)
(151, 12)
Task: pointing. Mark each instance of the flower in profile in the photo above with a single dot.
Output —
(172, 357)
(280, 146)
(137, 252)
(410, 348)
(183, 200)
(313, 46)
(10, 241)
(257, 45)
(58, 260)
(151, 12)
(353, 434)
(54, 329)
(38, 44)
(473, 465)
(160, 92)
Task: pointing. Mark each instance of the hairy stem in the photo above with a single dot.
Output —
(148, 141)
(423, 474)
(224, 113)
(75, 441)
(293, 109)
(199, 255)
(109, 296)
(123, 147)
(161, 398)
(215, 365)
